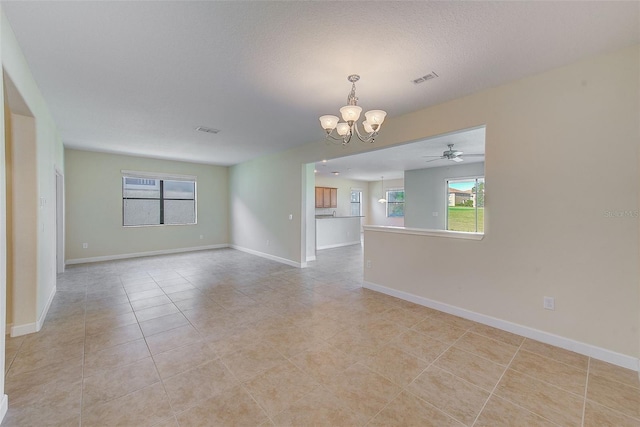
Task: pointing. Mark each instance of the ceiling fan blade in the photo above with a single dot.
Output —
(433, 156)
(474, 155)
(433, 160)
(457, 159)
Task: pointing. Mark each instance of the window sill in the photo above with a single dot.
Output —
(425, 232)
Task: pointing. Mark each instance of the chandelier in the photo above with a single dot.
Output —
(350, 115)
(382, 199)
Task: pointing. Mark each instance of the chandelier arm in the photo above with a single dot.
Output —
(330, 135)
(368, 138)
(344, 140)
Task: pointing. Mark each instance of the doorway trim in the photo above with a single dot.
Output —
(59, 215)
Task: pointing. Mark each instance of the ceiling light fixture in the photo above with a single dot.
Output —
(382, 199)
(350, 115)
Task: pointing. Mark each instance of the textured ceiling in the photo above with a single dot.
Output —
(138, 77)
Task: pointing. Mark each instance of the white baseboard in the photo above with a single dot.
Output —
(339, 245)
(8, 328)
(599, 353)
(43, 314)
(270, 257)
(27, 328)
(143, 254)
(311, 258)
(4, 406)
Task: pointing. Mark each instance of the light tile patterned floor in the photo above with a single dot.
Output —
(219, 338)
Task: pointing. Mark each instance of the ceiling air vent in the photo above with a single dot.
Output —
(431, 75)
(208, 130)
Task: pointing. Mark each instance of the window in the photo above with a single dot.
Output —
(356, 203)
(395, 203)
(158, 201)
(465, 205)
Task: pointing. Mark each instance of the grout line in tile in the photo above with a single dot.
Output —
(551, 358)
(15, 354)
(264, 410)
(622, 414)
(497, 382)
(406, 388)
(514, 403)
(388, 403)
(616, 381)
(84, 352)
(548, 383)
(586, 387)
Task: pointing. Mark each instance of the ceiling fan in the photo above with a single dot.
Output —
(451, 154)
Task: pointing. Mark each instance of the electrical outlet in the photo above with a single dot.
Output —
(290, 217)
(368, 263)
(434, 213)
(549, 303)
(201, 236)
(268, 243)
(85, 245)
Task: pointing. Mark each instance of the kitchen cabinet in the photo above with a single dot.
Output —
(326, 197)
(319, 197)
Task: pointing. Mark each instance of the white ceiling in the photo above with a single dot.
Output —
(393, 161)
(138, 77)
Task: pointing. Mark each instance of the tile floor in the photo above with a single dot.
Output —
(219, 338)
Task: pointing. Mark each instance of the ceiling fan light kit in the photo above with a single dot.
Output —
(451, 154)
(351, 114)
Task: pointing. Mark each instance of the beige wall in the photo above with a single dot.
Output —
(547, 132)
(47, 158)
(553, 129)
(94, 207)
(8, 194)
(22, 220)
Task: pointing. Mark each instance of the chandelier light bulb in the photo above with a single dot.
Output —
(367, 127)
(328, 122)
(342, 128)
(375, 118)
(350, 113)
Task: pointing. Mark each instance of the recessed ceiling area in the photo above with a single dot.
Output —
(393, 161)
(138, 77)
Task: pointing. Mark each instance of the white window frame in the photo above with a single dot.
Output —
(396, 189)
(446, 205)
(163, 177)
(356, 190)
